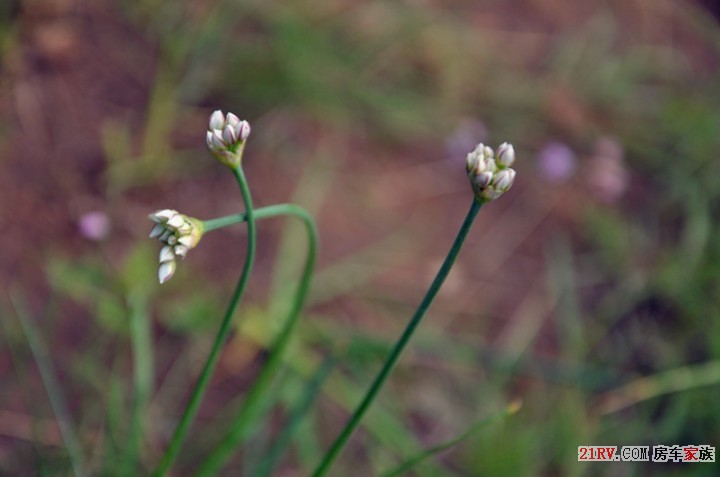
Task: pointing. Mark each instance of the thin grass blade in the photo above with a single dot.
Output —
(52, 386)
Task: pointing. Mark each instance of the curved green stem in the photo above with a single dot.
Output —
(250, 407)
(392, 359)
(204, 379)
(259, 214)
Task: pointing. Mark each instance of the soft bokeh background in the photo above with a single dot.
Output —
(591, 291)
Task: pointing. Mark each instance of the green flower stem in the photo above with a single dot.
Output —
(259, 214)
(253, 400)
(141, 345)
(204, 379)
(392, 359)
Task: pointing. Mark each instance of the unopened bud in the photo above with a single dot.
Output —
(506, 155)
(166, 254)
(216, 120)
(166, 271)
(490, 176)
(503, 180)
(226, 136)
(181, 250)
(483, 179)
(232, 120)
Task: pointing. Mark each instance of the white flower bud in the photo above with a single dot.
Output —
(472, 162)
(175, 221)
(217, 141)
(156, 231)
(166, 254)
(503, 180)
(181, 250)
(506, 155)
(229, 135)
(185, 228)
(216, 120)
(232, 120)
(187, 240)
(491, 165)
(166, 271)
(483, 179)
(162, 216)
(480, 150)
(244, 130)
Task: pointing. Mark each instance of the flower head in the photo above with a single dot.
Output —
(179, 233)
(490, 175)
(94, 225)
(226, 136)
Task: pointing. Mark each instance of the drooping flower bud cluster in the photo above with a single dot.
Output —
(490, 175)
(179, 233)
(226, 137)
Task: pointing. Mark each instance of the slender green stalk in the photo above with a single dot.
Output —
(52, 386)
(141, 341)
(299, 411)
(259, 214)
(392, 359)
(249, 410)
(204, 379)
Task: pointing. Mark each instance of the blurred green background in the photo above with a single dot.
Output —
(591, 290)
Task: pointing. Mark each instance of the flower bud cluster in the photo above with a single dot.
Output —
(226, 137)
(179, 233)
(491, 175)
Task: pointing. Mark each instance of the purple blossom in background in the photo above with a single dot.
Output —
(607, 175)
(556, 161)
(466, 135)
(94, 225)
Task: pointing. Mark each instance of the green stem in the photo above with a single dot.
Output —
(249, 409)
(204, 379)
(259, 214)
(298, 412)
(392, 359)
(141, 343)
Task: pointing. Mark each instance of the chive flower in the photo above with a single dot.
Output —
(179, 233)
(490, 175)
(226, 136)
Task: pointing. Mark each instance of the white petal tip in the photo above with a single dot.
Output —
(166, 271)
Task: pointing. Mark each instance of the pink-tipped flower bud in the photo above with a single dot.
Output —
(506, 155)
(166, 271)
(226, 136)
(217, 121)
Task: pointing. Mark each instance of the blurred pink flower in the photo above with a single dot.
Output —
(607, 176)
(556, 162)
(94, 225)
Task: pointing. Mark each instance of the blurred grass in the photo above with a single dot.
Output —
(622, 301)
(48, 374)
